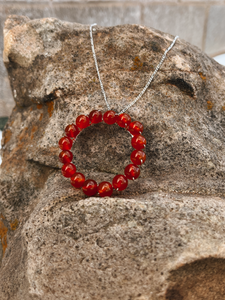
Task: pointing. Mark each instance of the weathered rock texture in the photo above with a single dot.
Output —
(164, 237)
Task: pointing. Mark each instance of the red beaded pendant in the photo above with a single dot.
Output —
(68, 170)
(90, 187)
(109, 117)
(95, 116)
(65, 157)
(72, 131)
(138, 142)
(65, 143)
(123, 120)
(138, 157)
(119, 182)
(132, 172)
(105, 189)
(82, 121)
(77, 180)
(135, 128)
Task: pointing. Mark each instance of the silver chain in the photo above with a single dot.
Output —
(147, 84)
(96, 65)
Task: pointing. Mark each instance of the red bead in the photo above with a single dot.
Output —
(95, 116)
(65, 143)
(135, 128)
(90, 187)
(77, 180)
(65, 157)
(138, 142)
(110, 117)
(138, 157)
(82, 121)
(120, 182)
(68, 170)
(105, 189)
(72, 131)
(123, 120)
(132, 172)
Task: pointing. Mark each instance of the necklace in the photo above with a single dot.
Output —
(110, 117)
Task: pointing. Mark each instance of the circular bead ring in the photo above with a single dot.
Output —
(119, 182)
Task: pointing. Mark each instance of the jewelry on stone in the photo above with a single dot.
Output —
(120, 182)
(110, 117)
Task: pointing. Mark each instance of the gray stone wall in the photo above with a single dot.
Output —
(202, 23)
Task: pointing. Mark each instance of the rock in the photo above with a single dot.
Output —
(163, 237)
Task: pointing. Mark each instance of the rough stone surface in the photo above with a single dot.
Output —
(162, 238)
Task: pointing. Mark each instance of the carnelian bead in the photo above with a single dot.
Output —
(119, 182)
(65, 157)
(138, 157)
(105, 189)
(82, 121)
(138, 142)
(123, 120)
(68, 170)
(65, 143)
(95, 116)
(77, 180)
(72, 131)
(110, 117)
(90, 187)
(132, 172)
(135, 128)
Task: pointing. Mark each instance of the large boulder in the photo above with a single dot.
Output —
(163, 237)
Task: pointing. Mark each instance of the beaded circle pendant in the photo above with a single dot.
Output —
(120, 181)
